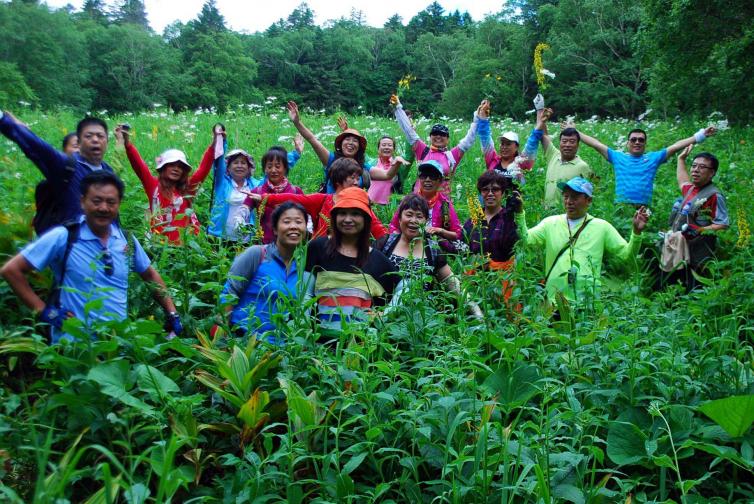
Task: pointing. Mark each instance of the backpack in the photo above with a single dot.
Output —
(49, 203)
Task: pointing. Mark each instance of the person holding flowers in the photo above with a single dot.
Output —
(437, 150)
(491, 231)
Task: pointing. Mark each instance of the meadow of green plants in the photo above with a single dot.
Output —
(649, 397)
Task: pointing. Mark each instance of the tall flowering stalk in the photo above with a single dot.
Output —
(405, 83)
(259, 234)
(744, 234)
(539, 67)
(476, 212)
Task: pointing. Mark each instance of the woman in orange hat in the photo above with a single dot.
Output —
(348, 144)
(172, 191)
(350, 277)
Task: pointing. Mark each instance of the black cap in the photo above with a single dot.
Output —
(439, 129)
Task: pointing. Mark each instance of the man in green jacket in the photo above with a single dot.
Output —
(575, 243)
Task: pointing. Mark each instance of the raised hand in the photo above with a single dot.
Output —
(122, 134)
(342, 123)
(394, 100)
(685, 152)
(293, 114)
(298, 143)
(483, 111)
(516, 201)
(709, 131)
(539, 102)
(640, 219)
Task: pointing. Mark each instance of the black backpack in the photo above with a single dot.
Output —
(48, 198)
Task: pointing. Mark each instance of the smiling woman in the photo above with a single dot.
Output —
(264, 278)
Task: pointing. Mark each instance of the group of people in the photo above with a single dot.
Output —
(353, 262)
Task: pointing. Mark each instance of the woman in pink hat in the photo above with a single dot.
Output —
(172, 191)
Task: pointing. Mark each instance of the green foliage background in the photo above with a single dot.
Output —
(611, 58)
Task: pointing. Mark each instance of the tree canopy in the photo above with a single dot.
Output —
(609, 58)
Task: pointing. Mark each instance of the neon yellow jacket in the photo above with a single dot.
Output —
(598, 237)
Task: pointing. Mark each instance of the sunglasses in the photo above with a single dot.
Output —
(638, 140)
(107, 261)
(431, 176)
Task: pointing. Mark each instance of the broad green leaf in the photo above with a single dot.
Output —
(112, 378)
(513, 387)
(626, 440)
(252, 412)
(137, 494)
(152, 381)
(735, 414)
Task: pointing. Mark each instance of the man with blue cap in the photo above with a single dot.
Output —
(575, 243)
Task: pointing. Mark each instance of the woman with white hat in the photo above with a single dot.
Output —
(172, 191)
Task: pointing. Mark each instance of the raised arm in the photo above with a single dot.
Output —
(50, 161)
(322, 153)
(205, 166)
(403, 121)
(467, 141)
(542, 117)
(298, 149)
(380, 174)
(696, 138)
(594, 143)
(681, 174)
(140, 168)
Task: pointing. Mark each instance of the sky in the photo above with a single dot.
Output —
(257, 15)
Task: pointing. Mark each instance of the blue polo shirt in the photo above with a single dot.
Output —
(85, 278)
(264, 287)
(635, 175)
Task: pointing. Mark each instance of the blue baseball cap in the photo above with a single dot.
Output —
(431, 166)
(578, 184)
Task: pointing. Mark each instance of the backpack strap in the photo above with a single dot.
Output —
(424, 154)
(677, 219)
(570, 243)
(445, 214)
(71, 238)
(387, 245)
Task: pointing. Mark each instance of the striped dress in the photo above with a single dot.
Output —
(345, 293)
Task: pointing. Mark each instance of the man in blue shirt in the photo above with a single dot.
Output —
(91, 266)
(62, 171)
(635, 171)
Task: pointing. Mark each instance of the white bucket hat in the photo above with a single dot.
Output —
(510, 135)
(172, 156)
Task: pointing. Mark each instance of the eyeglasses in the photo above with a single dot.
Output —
(638, 140)
(491, 190)
(107, 261)
(701, 166)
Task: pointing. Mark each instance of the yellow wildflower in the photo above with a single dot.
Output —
(744, 234)
(539, 66)
(259, 235)
(405, 83)
(154, 132)
(476, 212)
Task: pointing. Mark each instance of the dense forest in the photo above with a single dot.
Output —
(605, 57)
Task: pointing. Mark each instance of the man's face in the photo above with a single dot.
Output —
(576, 203)
(701, 172)
(93, 143)
(100, 205)
(569, 146)
(637, 143)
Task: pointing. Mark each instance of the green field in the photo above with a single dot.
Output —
(425, 406)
